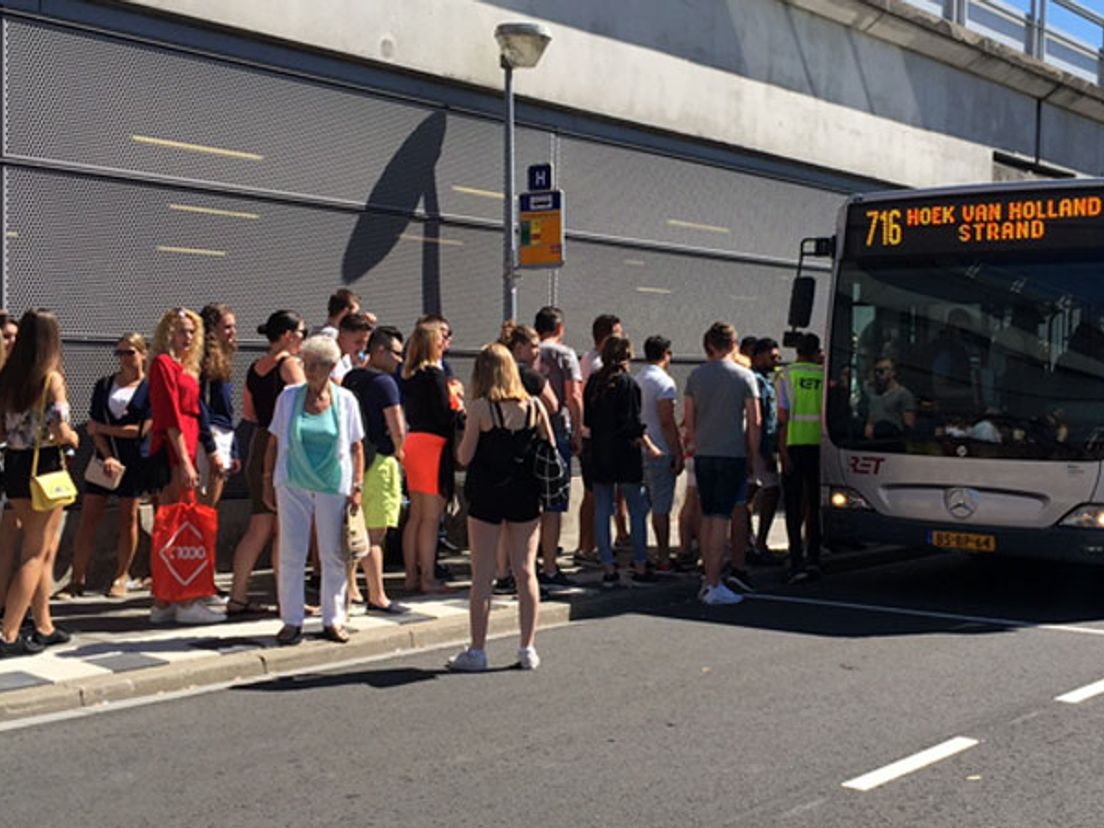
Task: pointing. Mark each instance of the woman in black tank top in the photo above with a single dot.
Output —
(264, 381)
(503, 422)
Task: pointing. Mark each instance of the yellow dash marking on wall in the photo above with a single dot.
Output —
(475, 191)
(662, 291)
(693, 225)
(213, 211)
(190, 251)
(447, 242)
(200, 148)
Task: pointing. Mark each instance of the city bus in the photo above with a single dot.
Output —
(964, 367)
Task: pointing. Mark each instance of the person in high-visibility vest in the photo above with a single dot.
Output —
(800, 397)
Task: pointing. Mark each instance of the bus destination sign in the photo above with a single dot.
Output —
(1021, 220)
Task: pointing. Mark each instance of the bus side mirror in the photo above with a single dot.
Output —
(801, 302)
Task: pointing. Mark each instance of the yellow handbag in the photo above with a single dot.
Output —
(51, 490)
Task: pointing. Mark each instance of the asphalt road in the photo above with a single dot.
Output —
(753, 715)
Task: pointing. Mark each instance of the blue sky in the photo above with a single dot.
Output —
(1060, 18)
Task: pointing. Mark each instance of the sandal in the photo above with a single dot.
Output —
(118, 589)
(234, 607)
(336, 633)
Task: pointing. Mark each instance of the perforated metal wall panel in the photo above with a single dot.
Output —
(86, 99)
(633, 194)
(662, 293)
(111, 255)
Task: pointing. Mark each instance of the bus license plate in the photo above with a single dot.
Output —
(966, 541)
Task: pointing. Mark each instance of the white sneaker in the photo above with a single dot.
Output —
(468, 661)
(198, 613)
(162, 615)
(720, 594)
(528, 658)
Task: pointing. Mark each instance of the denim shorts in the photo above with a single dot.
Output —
(659, 479)
(722, 484)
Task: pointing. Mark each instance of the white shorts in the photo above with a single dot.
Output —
(224, 448)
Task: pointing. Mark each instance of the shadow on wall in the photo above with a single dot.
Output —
(410, 177)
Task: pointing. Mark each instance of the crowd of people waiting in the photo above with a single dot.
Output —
(354, 413)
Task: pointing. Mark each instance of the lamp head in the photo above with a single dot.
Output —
(521, 44)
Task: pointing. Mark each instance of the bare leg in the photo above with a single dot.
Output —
(127, 546)
(483, 540)
(40, 603)
(740, 530)
(37, 539)
(522, 544)
(689, 522)
(550, 523)
(432, 510)
(92, 509)
(502, 558)
(713, 533)
(215, 485)
(9, 544)
(261, 528)
(410, 542)
(373, 569)
(586, 523)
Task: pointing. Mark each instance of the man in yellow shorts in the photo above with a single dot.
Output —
(385, 428)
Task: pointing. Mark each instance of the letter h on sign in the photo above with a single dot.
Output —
(540, 177)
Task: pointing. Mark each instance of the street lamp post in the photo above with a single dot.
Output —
(521, 46)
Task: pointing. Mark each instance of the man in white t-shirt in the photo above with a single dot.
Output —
(658, 397)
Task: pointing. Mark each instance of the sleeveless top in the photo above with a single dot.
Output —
(500, 466)
(264, 390)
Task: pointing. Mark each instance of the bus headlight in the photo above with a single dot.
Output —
(843, 498)
(1088, 516)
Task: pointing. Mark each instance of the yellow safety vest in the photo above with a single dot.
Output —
(804, 389)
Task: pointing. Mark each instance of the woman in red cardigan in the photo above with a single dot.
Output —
(174, 400)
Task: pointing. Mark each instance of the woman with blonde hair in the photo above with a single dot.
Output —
(117, 421)
(174, 399)
(216, 399)
(35, 411)
(426, 462)
(503, 497)
(314, 469)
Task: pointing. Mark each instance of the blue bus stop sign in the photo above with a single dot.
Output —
(540, 177)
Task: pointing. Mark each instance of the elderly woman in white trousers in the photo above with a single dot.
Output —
(313, 469)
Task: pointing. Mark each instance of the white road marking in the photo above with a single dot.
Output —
(946, 616)
(1082, 693)
(910, 764)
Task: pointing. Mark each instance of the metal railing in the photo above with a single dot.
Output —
(1067, 34)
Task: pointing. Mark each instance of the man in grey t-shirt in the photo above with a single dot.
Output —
(892, 406)
(560, 367)
(722, 426)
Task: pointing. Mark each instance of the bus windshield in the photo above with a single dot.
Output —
(985, 355)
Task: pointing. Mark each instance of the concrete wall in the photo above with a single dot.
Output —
(818, 81)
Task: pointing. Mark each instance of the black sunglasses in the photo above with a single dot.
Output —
(130, 352)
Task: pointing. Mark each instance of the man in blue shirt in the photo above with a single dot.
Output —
(385, 429)
(765, 490)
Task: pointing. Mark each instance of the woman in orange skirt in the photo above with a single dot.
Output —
(427, 461)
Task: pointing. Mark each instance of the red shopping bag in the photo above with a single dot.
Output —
(182, 559)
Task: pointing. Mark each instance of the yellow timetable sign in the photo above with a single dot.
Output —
(542, 229)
